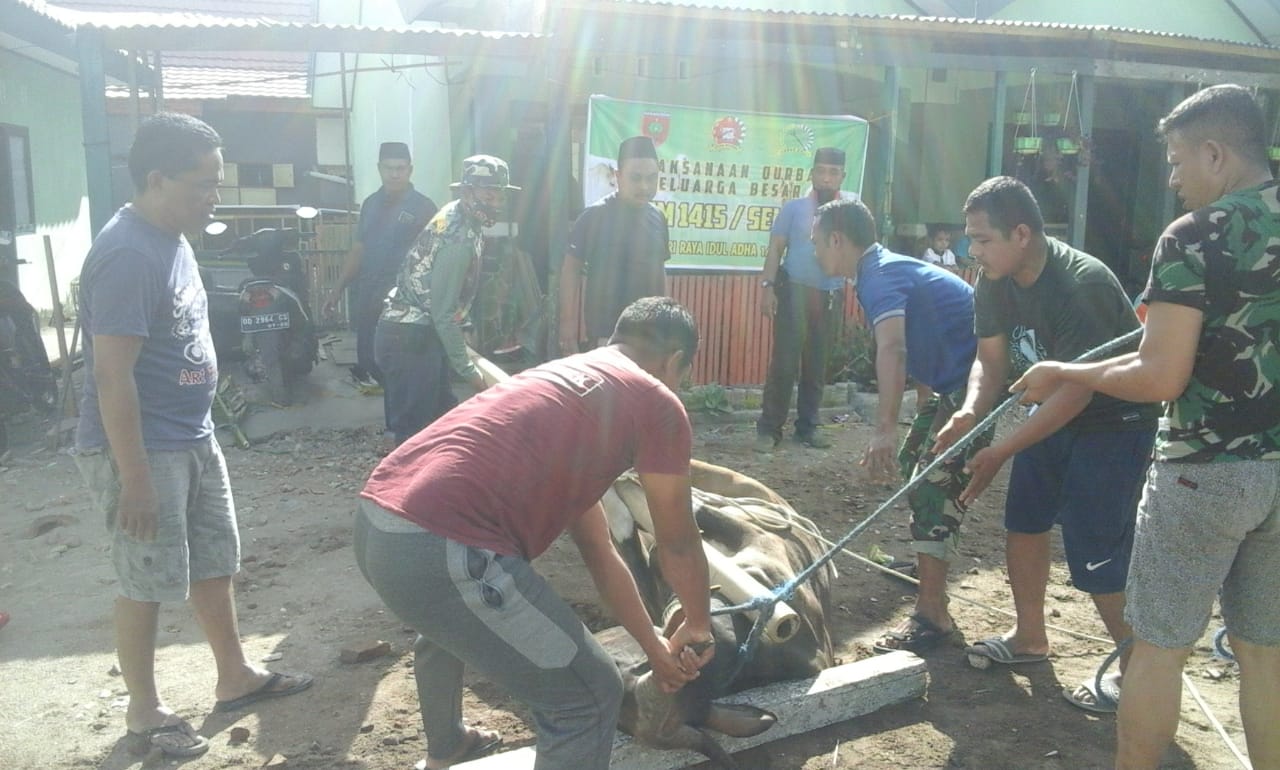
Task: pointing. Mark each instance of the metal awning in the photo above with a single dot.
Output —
(170, 32)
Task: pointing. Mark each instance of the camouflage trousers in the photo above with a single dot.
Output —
(935, 525)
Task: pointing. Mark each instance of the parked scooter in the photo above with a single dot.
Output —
(277, 331)
(26, 379)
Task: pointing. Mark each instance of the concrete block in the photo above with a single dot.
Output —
(835, 695)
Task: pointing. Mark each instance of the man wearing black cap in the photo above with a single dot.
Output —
(804, 304)
(419, 336)
(621, 244)
(390, 219)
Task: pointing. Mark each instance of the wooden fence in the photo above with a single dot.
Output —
(736, 339)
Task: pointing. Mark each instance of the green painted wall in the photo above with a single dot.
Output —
(1202, 18)
(47, 102)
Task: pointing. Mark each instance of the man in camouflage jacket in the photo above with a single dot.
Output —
(419, 338)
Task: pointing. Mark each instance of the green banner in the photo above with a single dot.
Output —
(723, 174)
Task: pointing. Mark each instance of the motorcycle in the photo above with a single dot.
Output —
(277, 331)
(26, 379)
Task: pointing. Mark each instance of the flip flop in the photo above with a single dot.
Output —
(269, 689)
(921, 635)
(179, 739)
(1087, 696)
(482, 744)
(997, 650)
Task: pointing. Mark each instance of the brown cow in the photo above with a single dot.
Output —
(763, 536)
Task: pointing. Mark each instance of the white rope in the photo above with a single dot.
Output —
(1186, 680)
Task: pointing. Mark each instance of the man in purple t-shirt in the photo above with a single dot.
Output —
(145, 441)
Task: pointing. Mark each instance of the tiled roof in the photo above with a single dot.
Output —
(204, 74)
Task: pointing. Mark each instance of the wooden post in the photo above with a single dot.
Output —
(59, 321)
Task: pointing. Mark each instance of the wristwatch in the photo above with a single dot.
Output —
(766, 283)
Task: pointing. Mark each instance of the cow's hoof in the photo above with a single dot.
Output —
(979, 661)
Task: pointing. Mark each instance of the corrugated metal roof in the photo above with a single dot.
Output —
(214, 55)
(281, 10)
(52, 40)
(923, 22)
(203, 31)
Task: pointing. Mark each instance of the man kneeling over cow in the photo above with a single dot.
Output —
(450, 521)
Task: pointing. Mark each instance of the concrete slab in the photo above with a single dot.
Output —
(328, 398)
(837, 694)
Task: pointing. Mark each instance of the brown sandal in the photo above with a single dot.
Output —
(921, 635)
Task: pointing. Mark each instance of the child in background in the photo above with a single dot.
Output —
(939, 251)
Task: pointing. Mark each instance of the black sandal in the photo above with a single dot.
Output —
(921, 635)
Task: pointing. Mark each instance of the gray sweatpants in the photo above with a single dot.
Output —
(496, 615)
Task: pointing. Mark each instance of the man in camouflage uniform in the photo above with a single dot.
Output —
(1209, 518)
(922, 318)
(419, 337)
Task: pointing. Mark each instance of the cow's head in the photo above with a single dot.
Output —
(764, 537)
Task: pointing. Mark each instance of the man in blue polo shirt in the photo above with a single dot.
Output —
(390, 220)
(804, 306)
(922, 318)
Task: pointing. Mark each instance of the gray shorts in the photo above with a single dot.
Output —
(1202, 528)
(196, 534)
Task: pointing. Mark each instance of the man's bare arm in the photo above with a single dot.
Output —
(772, 261)
(986, 385)
(618, 589)
(113, 361)
(880, 457)
(1159, 371)
(570, 303)
(350, 269)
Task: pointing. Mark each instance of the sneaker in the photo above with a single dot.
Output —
(764, 443)
(815, 440)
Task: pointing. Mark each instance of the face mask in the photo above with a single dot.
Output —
(485, 213)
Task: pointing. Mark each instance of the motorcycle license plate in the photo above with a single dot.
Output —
(263, 322)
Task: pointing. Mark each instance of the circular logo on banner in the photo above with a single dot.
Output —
(728, 132)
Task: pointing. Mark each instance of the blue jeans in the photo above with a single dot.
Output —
(415, 376)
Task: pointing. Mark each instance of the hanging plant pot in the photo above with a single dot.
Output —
(1273, 152)
(1050, 119)
(1026, 145)
(1068, 145)
(1022, 118)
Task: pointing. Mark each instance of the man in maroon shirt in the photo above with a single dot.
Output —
(450, 520)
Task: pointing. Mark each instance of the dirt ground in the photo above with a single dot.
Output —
(301, 600)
